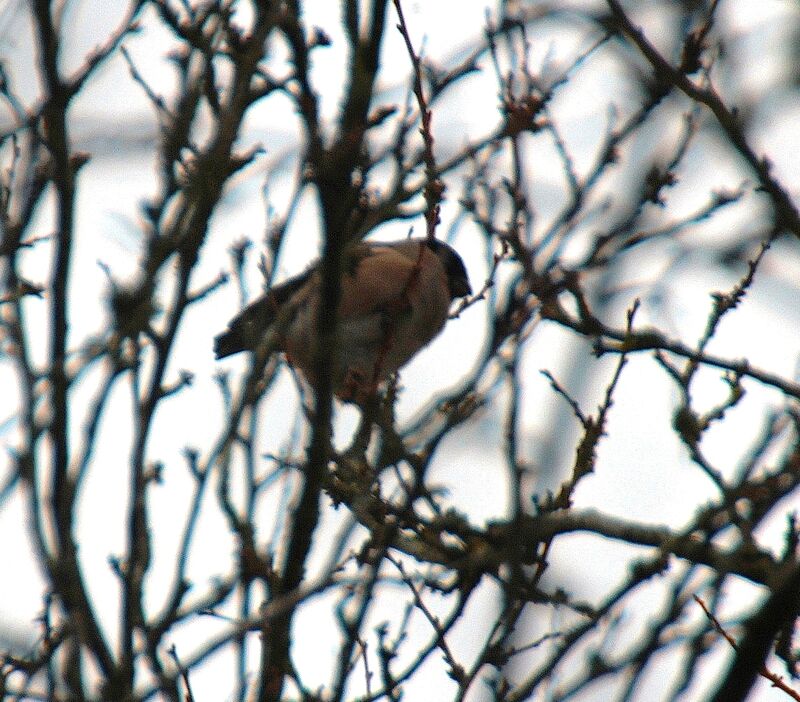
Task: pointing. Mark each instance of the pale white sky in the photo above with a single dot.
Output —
(643, 473)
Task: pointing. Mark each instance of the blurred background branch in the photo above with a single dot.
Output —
(605, 438)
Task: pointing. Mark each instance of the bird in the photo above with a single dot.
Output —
(395, 299)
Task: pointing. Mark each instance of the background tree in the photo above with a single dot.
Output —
(618, 526)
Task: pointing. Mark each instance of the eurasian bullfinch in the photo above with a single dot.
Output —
(395, 299)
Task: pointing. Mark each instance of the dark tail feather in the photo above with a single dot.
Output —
(248, 327)
(229, 343)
